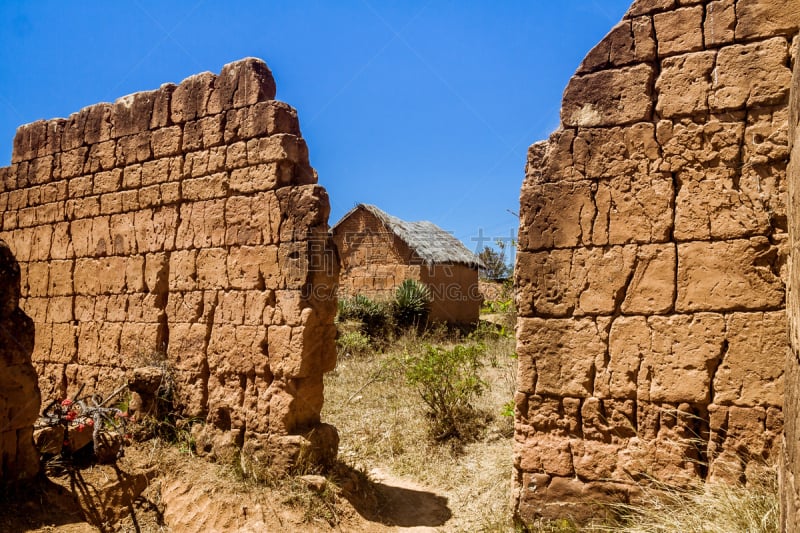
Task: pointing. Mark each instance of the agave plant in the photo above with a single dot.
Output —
(412, 302)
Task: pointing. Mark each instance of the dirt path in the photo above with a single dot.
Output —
(189, 494)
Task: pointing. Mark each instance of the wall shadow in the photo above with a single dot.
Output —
(38, 503)
(391, 504)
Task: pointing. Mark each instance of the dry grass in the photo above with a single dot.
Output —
(705, 508)
(381, 422)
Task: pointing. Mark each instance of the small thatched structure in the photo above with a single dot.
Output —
(378, 251)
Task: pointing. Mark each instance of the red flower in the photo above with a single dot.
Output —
(71, 415)
(66, 403)
(81, 427)
(90, 422)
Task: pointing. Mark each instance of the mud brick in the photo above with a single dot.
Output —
(54, 192)
(182, 270)
(170, 193)
(131, 114)
(161, 170)
(80, 186)
(111, 203)
(61, 247)
(83, 208)
(211, 268)
(236, 155)
(111, 274)
(60, 279)
(132, 176)
(40, 243)
(108, 181)
(133, 149)
(73, 162)
(280, 147)
(59, 308)
(167, 142)
(130, 200)
(102, 156)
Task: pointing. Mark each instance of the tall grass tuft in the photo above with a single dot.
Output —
(704, 508)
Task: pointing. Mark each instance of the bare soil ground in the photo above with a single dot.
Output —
(158, 489)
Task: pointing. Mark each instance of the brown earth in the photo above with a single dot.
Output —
(156, 488)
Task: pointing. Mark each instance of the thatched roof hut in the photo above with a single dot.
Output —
(429, 242)
(378, 251)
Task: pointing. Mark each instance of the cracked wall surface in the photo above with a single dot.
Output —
(790, 460)
(181, 226)
(19, 392)
(652, 259)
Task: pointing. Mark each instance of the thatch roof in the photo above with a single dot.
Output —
(427, 240)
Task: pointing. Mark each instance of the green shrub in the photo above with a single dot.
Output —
(355, 308)
(505, 305)
(490, 331)
(448, 382)
(353, 343)
(412, 303)
(375, 317)
(502, 303)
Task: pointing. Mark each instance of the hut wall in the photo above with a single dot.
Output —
(790, 457)
(456, 294)
(373, 260)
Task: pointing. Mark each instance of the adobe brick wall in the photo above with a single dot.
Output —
(790, 460)
(183, 223)
(652, 259)
(19, 391)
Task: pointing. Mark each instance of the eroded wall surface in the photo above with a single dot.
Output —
(790, 461)
(19, 392)
(652, 259)
(180, 227)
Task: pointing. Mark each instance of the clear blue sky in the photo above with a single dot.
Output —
(423, 108)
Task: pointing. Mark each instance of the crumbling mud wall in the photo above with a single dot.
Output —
(790, 460)
(181, 227)
(651, 266)
(19, 391)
